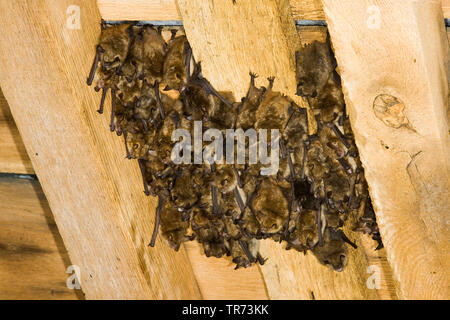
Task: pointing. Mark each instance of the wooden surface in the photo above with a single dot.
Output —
(33, 260)
(221, 287)
(407, 167)
(168, 10)
(287, 274)
(13, 156)
(218, 280)
(95, 194)
(446, 8)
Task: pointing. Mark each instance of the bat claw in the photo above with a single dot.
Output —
(271, 81)
(174, 33)
(261, 260)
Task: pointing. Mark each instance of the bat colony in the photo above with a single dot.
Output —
(157, 87)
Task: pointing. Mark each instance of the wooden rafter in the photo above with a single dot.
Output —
(392, 57)
(103, 216)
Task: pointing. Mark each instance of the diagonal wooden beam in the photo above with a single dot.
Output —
(392, 57)
(94, 193)
(260, 36)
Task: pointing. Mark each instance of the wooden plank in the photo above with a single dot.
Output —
(154, 10)
(5, 113)
(379, 270)
(309, 34)
(138, 10)
(401, 51)
(307, 9)
(218, 280)
(94, 193)
(13, 156)
(446, 8)
(33, 259)
(163, 10)
(267, 47)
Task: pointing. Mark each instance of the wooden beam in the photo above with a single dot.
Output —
(94, 193)
(13, 156)
(154, 10)
(218, 280)
(5, 113)
(229, 47)
(166, 10)
(33, 259)
(136, 10)
(392, 57)
(446, 8)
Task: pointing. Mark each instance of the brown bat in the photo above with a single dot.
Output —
(173, 229)
(174, 69)
(334, 252)
(146, 57)
(270, 207)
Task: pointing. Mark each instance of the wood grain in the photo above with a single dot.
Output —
(446, 8)
(154, 10)
(136, 10)
(13, 156)
(94, 193)
(256, 33)
(408, 168)
(307, 9)
(33, 259)
(5, 113)
(218, 280)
